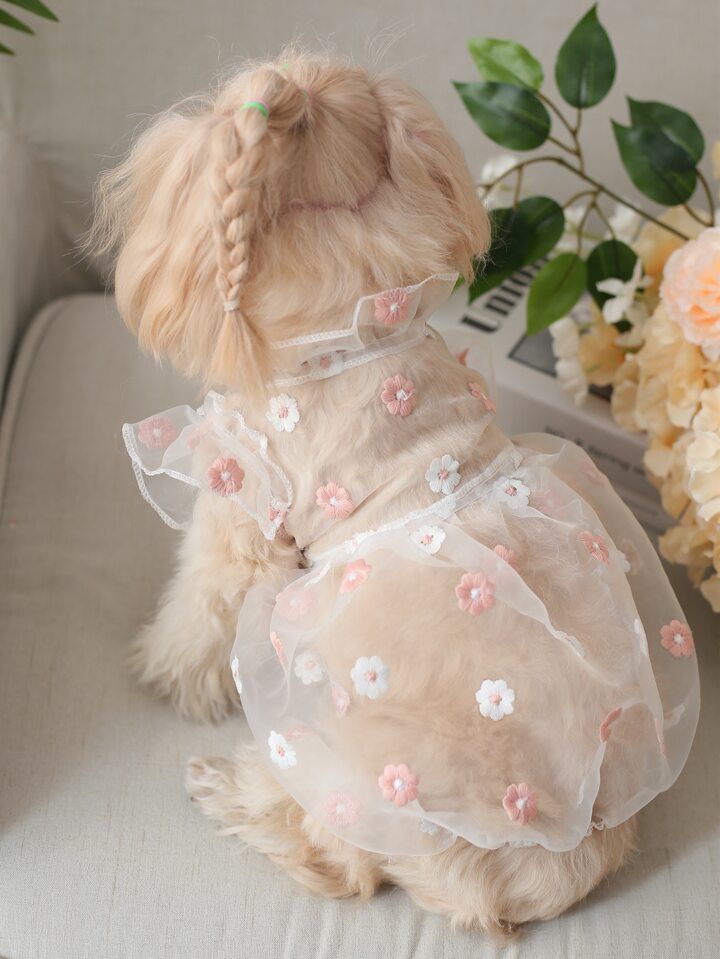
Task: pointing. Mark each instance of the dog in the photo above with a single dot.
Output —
(456, 682)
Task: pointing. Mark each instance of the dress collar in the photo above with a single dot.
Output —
(382, 323)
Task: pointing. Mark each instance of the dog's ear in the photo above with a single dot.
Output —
(423, 158)
(152, 210)
(185, 210)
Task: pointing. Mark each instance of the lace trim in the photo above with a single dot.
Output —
(268, 529)
(357, 360)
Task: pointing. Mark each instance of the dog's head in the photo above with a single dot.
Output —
(264, 211)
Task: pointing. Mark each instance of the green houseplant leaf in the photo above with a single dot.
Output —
(504, 61)
(555, 291)
(508, 242)
(611, 258)
(519, 237)
(36, 7)
(8, 20)
(657, 166)
(511, 116)
(677, 125)
(545, 224)
(585, 65)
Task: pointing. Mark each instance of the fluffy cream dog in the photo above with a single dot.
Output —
(262, 215)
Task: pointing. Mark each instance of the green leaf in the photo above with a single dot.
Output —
(585, 65)
(545, 224)
(509, 115)
(504, 61)
(508, 244)
(679, 127)
(657, 166)
(518, 237)
(36, 7)
(7, 20)
(555, 291)
(7, 50)
(611, 258)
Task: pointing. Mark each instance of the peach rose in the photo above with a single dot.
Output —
(691, 291)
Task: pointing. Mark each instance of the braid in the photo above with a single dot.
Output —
(238, 201)
(239, 186)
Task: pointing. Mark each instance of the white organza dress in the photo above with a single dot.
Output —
(483, 642)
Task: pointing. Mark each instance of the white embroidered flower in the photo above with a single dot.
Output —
(495, 699)
(281, 752)
(512, 491)
(283, 413)
(428, 538)
(568, 369)
(370, 676)
(428, 827)
(443, 475)
(622, 305)
(632, 556)
(308, 669)
(235, 670)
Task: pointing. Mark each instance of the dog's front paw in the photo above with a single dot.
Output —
(194, 675)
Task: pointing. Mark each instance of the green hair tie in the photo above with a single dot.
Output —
(256, 105)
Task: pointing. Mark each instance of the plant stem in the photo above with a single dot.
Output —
(600, 212)
(708, 196)
(518, 187)
(575, 197)
(586, 214)
(561, 161)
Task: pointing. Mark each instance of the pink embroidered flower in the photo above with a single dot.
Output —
(225, 476)
(335, 500)
(342, 809)
(354, 575)
(595, 545)
(475, 593)
(398, 784)
(479, 393)
(340, 698)
(195, 436)
(157, 433)
(506, 554)
(398, 395)
(391, 307)
(520, 803)
(677, 639)
(607, 723)
(294, 603)
(279, 649)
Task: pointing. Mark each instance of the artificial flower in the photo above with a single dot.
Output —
(520, 803)
(622, 304)
(691, 291)
(428, 538)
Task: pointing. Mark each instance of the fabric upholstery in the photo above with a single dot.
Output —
(101, 853)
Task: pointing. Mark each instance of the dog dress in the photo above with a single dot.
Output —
(481, 641)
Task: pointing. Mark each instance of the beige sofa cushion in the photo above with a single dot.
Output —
(101, 854)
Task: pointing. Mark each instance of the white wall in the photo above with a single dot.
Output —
(80, 86)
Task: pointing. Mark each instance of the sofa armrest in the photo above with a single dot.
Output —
(38, 261)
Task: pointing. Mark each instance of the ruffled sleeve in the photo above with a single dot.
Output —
(181, 451)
